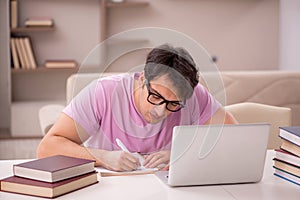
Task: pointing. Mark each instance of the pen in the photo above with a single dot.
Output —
(121, 145)
(124, 148)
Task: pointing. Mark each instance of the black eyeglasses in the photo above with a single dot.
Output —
(157, 99)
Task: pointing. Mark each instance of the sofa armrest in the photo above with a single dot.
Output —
(48, 115)
(249, 112)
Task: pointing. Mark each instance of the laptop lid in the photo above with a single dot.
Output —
(218, 154)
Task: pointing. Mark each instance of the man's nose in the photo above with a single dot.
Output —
(160, 109)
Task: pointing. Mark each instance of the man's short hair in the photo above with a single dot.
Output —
(177, 64)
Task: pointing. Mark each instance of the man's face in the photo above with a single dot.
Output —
(159, 87)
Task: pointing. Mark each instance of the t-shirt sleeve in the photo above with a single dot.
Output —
(85, 108)
(205, 107)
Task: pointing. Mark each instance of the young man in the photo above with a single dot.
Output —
(140, 109)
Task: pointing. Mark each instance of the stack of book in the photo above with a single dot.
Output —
(39, 22)
(22, 53)
(287, 158)
(60, 64)
(50, 177)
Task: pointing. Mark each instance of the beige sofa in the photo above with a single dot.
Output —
(276, 88)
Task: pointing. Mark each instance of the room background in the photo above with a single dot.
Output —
(242, 35)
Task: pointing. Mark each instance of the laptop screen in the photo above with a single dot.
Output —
(218, 154)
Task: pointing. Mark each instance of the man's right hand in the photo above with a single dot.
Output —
(119, 161)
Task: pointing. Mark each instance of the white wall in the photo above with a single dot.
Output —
(289, 35)
(242, 34)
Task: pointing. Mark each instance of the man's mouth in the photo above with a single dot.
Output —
(155, 118)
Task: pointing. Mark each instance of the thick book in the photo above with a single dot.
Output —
(287, 176)
(13, 14)
(20, 52)
(290, 147)
(26, 186)
(25, 52)
(14, 53)
(60, 64)
(287, 167)
(30, 54)
(54, 168)
(39, 21)
(290, 133)
(287, 157)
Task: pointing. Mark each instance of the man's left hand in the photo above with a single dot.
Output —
(155, 159)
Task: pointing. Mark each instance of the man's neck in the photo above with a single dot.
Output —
(136, 94)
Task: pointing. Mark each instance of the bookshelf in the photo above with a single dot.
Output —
(43, 69)
(23, 79)
(30, 29)
(32, 88)
(23, 90)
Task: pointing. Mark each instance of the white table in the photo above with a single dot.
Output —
(144, 187)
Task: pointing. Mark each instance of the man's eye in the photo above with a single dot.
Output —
(155, 96)
(175, 104)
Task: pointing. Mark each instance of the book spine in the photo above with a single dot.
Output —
(286, 179)
(14, 53)
(25, 53)
(287, 157)
(30, 54)
(60, 64)
(37, 23)
(20, 53)
(286, 167)
(13, 14)
(290, 147)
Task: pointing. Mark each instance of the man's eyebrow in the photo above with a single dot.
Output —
(154, 91)
(157, 93)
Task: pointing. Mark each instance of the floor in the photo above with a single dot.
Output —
(18, 148)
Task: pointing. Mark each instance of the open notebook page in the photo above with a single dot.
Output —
(142, 170)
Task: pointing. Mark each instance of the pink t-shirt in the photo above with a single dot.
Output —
(106, 110)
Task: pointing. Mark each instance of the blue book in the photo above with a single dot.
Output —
(287, 176)
(291, 133)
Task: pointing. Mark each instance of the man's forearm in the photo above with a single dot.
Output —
(53, 145)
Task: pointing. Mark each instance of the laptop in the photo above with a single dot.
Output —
(217, 154)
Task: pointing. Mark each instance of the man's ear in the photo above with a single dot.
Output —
(142, 78)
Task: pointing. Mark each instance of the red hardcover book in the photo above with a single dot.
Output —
(54, 168)
(26, 186)
(287, 157)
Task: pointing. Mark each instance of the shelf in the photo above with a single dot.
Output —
(43, 69)
(85, 69)
(31, 29)
(126, 3)
(40, 102)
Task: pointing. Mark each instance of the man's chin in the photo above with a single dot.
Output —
(155, 121)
